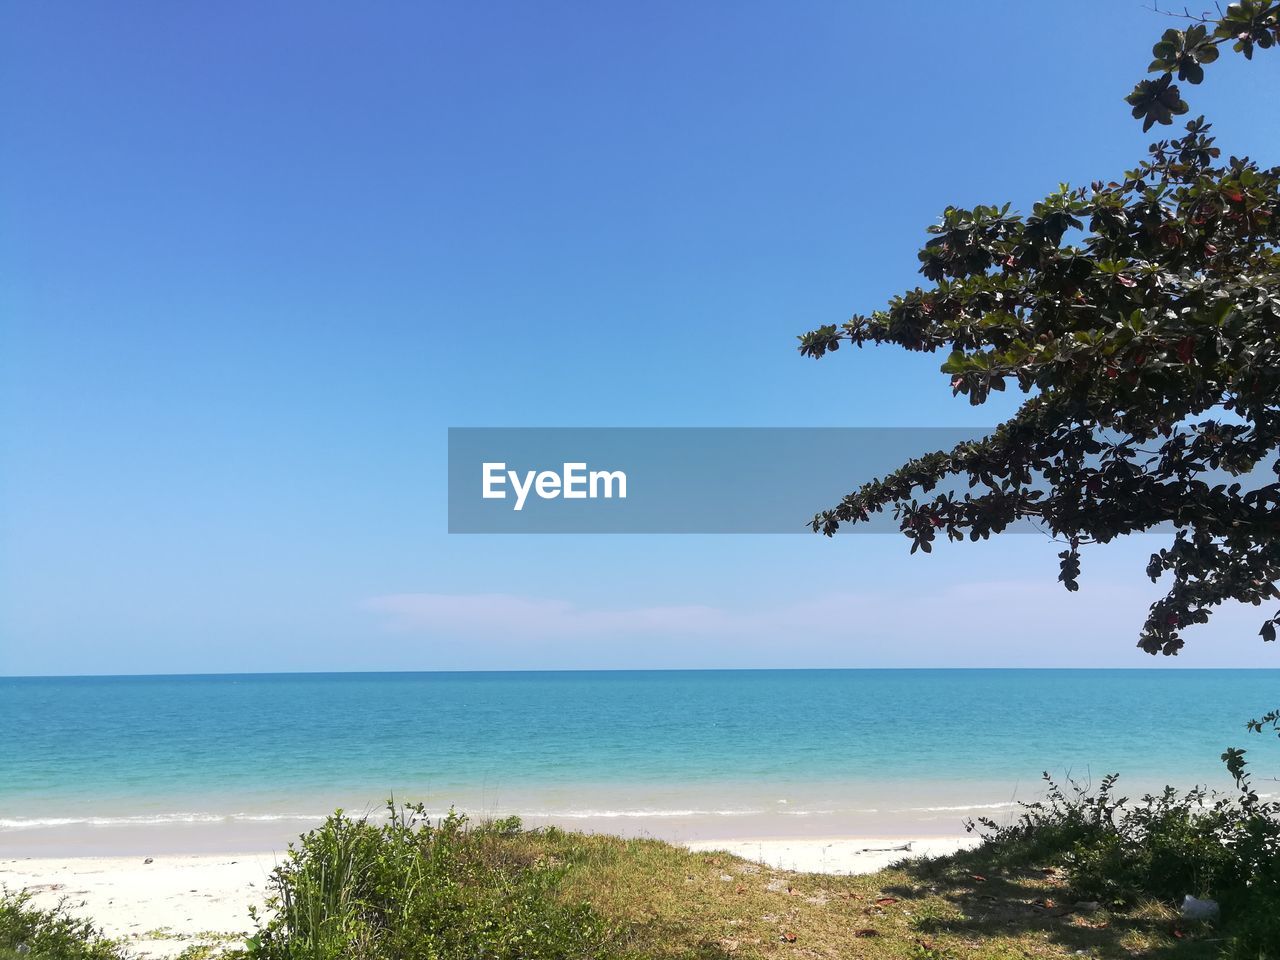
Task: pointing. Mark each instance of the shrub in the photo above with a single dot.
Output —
(1165, 846)
(409, 889)
(29, 933)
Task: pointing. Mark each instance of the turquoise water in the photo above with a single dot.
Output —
(847, 745)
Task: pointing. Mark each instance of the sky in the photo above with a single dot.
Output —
(257, 259)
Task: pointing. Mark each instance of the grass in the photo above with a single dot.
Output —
(665, 902)
(408, 890)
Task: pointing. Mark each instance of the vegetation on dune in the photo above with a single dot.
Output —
(1080, 871)
(410, 890)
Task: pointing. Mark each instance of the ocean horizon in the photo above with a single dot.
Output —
(233, 760)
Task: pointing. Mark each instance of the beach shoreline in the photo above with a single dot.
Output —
(179, 834)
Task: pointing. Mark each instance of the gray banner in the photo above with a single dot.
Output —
(671, 479)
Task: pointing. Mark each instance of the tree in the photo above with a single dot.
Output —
(1142, 318)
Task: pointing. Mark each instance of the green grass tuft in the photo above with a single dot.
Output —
(412, 890)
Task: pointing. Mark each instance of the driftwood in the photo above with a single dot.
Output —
(905, 847)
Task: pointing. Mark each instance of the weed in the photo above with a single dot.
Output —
(29, 933)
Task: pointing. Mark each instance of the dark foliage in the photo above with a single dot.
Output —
(1141, 315)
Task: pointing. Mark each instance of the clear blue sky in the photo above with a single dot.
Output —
(257, 258)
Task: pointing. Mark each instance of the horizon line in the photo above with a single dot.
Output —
(517, 670)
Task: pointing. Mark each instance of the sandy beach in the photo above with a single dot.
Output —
(836, 855)
(159, 905)
(162, 905)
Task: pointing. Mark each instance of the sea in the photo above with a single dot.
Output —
(227, 762)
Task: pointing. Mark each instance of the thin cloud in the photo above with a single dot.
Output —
(961, 610)
(513, 616)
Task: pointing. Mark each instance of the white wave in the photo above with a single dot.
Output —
(269, 817)
(963, 806)
(642, 813)
(29, 823)
(638, 814)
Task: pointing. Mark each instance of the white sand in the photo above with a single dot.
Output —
(159, 907)
(176, 901)
(840, 855)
